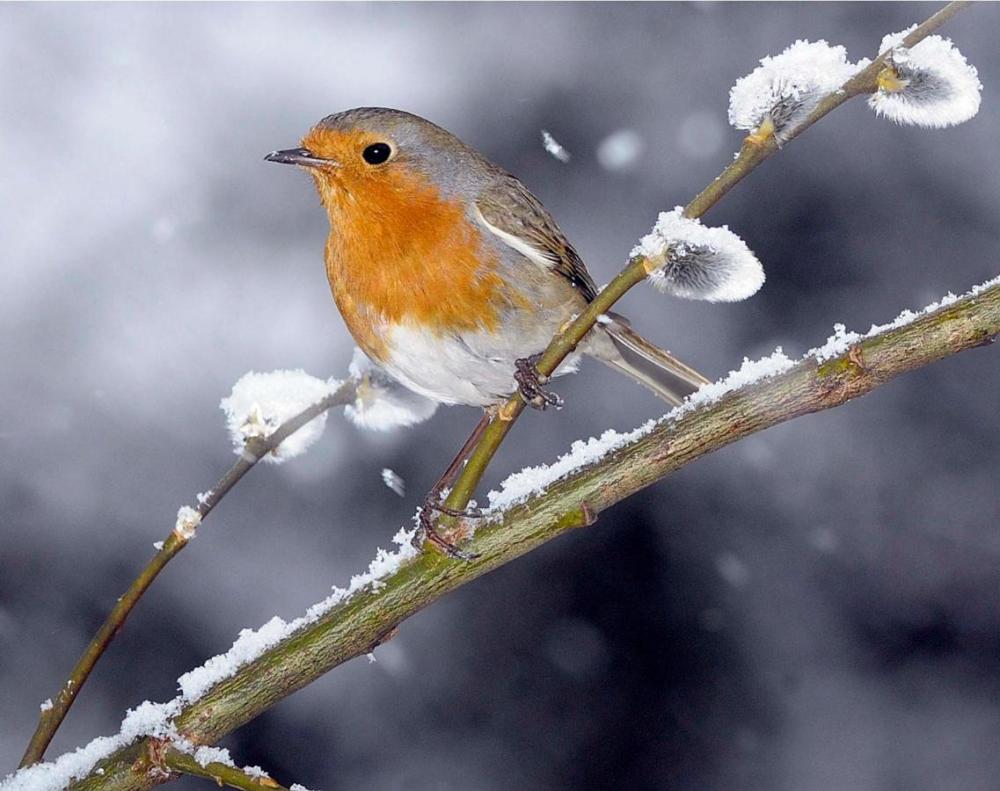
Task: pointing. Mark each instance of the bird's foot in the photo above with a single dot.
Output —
(530, 384)
(429, 533)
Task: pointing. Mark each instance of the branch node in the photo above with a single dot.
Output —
(856, 356)
(508, 411)
(653, 263)
(154, 761)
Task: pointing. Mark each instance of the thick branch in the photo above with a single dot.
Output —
(364, 620)
(255, 450)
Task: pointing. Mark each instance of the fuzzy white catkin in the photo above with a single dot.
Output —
(940, 88)
(712, 264)
(382, 403)
(261, 402)
(784, 88)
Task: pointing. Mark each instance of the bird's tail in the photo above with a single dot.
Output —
(648, 364)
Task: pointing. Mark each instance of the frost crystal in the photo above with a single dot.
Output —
(554, 147)
(187, 523)
(382, 403)
(394, 482)
(696, 262)
(206, 755)
(46, 705)
(777, 96)
(930, 84)
(260, 403)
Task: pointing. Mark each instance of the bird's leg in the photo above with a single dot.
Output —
(530, 383)
(432, 502)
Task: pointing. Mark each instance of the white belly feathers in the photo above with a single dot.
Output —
(476, 368)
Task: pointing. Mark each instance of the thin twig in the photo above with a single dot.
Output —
(171, 760)
(256, 449)
(366, 618)
(752, 154)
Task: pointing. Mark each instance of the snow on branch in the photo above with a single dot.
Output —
(533, 481)
(776, 96)
(251, 643)
(156, 719)
(213, 763)
(929, 84)
(690, 260)
(186, 526)
(842, 339)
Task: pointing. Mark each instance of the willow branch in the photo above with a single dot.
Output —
(753, 152)
(173, 761)
(371, 616)
(256, 449)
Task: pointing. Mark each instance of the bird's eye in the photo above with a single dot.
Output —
(376, 153)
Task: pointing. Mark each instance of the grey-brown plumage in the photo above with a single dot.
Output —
(509, 207)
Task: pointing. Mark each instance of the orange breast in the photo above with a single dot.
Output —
(397, 252)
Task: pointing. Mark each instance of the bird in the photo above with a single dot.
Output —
(449, 273)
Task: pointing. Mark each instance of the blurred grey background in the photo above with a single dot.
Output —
(817, 607)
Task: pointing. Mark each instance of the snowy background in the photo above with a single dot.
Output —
(815, 608)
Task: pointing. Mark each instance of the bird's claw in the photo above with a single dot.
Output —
(427, 532)
(530, 384)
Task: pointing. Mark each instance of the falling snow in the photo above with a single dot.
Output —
(394, 482)
(553, 147)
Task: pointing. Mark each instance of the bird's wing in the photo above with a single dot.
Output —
(519, 220)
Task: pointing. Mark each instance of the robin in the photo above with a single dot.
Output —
(449, 273)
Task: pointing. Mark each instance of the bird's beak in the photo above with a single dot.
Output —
(300, 156)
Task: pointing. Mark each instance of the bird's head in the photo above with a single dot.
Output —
(372, 156)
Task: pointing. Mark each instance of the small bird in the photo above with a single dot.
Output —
(451, 275)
